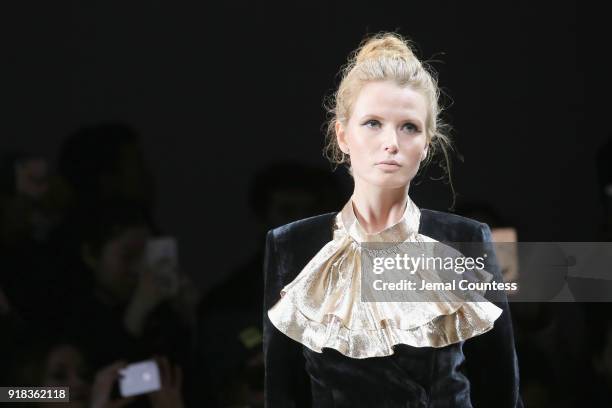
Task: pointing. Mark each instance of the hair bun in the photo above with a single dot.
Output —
(384, 45)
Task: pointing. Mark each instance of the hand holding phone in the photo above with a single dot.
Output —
(139, 378)
(159, 277)
(102, 389)
(170, 394)
(161, 256)
(158, 281)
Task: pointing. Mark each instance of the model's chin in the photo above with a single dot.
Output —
(390, 180)
(383, 179)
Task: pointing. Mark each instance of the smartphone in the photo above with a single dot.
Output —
(139, 378)
(161, 254)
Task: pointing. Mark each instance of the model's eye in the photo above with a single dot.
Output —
(372, 123)
(411, 127)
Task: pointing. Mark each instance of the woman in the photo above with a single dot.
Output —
(323, 346)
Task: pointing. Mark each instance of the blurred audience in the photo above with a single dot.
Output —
(128, 305)
(73, 247)
(106, 162)
(550, 334)
(231, 315)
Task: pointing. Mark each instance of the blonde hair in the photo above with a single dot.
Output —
(380, 57)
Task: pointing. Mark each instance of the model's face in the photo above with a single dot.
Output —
(385, 135)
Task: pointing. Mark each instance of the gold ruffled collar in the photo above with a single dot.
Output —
(322, 306)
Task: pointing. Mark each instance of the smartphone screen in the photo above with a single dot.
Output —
(139, 378)
(161, 255)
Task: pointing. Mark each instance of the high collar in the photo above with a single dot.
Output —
(401, 231)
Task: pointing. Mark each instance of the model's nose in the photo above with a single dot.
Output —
(391, 143)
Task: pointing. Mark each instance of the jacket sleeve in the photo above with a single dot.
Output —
(286, 382)
(490, 359)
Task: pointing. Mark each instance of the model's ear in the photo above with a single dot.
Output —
(341, 137)
(424, 153)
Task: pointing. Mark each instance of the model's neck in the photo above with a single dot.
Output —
(378, 208)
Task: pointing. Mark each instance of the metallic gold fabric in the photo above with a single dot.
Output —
(322, 306)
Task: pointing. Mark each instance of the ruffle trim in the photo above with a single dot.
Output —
(469, 320)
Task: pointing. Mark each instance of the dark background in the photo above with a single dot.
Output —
(219, 90)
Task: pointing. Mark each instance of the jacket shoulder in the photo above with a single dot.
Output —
(318, 225)
(290, 246)
(445, 226)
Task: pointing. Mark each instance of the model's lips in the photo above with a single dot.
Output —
(389, 162)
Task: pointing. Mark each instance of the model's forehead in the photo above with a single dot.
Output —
(383, 98)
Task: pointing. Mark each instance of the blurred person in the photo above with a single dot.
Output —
(65, 365)
(539, 387)
(601, 361)
(5, 306)
(102, 387)
(595, 382)
(168, 396)
(554, 353)
(285, 191)
(503, 233)
(545, 328)
(130, 311)
(49, 361)
(279, 193)
(230, 314)
(63, 361)
(105, 161)
(97, 163)
(32, 203)
(171, 393)
(11, 324)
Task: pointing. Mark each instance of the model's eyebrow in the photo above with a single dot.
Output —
(375, 116)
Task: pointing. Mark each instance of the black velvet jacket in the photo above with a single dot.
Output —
(480, 372)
